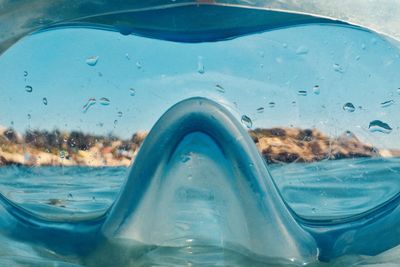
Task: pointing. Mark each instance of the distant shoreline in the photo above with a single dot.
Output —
(276, 145)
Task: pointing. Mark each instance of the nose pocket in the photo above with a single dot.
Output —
(199, 178)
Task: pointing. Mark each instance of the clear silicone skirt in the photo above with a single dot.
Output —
(276, 147)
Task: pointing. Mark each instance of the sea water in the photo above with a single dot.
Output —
(322, 190)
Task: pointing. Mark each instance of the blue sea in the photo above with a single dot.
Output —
(323, 190)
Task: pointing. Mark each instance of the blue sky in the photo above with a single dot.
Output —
(348, 65)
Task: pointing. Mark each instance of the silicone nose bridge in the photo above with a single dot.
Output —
(199, 176)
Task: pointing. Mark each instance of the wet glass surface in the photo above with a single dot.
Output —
(320, 103)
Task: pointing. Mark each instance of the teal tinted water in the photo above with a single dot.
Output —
(323, 190)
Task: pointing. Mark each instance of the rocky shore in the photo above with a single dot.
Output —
(277, 145)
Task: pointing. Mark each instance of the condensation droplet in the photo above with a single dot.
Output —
(271, 104)
(349, 133)
(313, 210)
(139, 65)
(92, 61)
(28, 88)
(260, 110)
(386, 104)
(132, 92)
(349, 107)
(89, 103)
(302, 50)
(127, 56)
(247, 121)
(316, 90)
(363, 47)
(398, 90)
(44, 101)
(25, 73)
(29, 116)
(200, 65)
(185, 158)
(70, 196)
(119, 114)
(302, 93)
(104, 101)
(115, 122)
(220, 88)
(379, 126)
(338, 68)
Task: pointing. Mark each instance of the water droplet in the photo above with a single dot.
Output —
(200, 65)
(115, 122)
(132, 92)
(313, 210)
(44, 101)
(261, 65)
(92, 61)
(260, 110)
(28, 88)
(25, 73)
(100, 124)
(349, 107)
(220, 88)
(119, 114)
(302, 50)
(139, 65)
(398, 90)
(349, 133)
(247, 121)
(316, 90)
(387, 103)
(363, 46)
(262, 54)
(271, 104)
(29, 116)
(127, 56)
(379, 126)
(69, 196)
(302, 92)
(104, 101)
(88, 104)
(338, 68)
(185, 158)
(279, 60)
